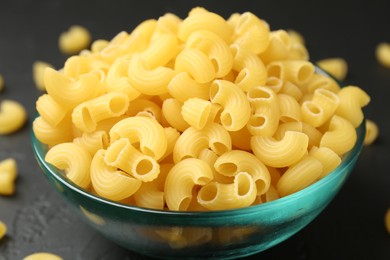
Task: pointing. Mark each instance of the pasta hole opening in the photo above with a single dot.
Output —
(118, 105)
(89, 123)
(144, 166)
(234, 50)
(242, 76)
(183, 206)
(287, 119)
(208, 193)
(243, 184)
(304, 73)
(226, 119)
(258, 121)
(258, 93)
(215, 64)
(260, 186)
(214, 90)
(219, 148)
(227, 168)
(275, 70)
(313, 108)
(147, 151)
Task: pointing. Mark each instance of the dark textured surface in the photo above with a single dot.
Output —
(38, 219)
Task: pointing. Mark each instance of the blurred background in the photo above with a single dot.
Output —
(38, 219)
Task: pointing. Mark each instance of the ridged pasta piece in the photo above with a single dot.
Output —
(313, 114)
(274, 83)
(93, 142)
(314, 134)
(148, 81)
(251, 33)
(143, 130)
(171, 110)
(290, 110)
(98, 45)
(50, 110)
(196, 64)
(372, 132)
(196, 112)
(320, 81)
(236, 161)
(291, 89)
(192, 141)
(145, 107)
(278, 47)
(215, 48)
(172, 135)
(329, 159)
(77, 65)
(182, 178)
(38, 72)
(8, 174)
(295, 71)
(105, 125)
(74, 160)
(50, 135)
(298, 51)
(230, 97)
(299, 176)
(160, 51)
(352, 100)
(250, 68)
(280, 153)
(109, 182)
(70, 93)
(340, 136)
(124, 156)
(183, 87)
(10, 166)
(241, 139)
(88, 114)
(265, 118)
(117, 79)
(204, 21)
(337, 67)
(12, 116)
(217, 196)
(168, 23)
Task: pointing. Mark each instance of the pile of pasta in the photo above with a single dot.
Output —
(195, 114)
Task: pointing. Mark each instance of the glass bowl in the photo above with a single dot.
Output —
(218, 234)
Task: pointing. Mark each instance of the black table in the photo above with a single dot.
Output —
(352, 227)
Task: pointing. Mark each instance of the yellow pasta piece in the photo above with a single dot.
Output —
(50, 135)
(109, 182)
(271, 195)
(160, 51)
(241, 139)
(274, 83)
(321, 81)
(340, 137)
(372, 132)
(144, 107)
(291, 89)
(352, 100)
(88, 114)
(383, 54)
(8, 174)
(217, 196)
(171, 110)
(50, 110)
(230, 97)
(196, 112)
(299, 176)
(42, 256)
(337, 67)
(99, 45)
(280, 153)
(183, 87)
(296, 37)
(38, 71)
(3, 230)
(10, 166)
(168, 23)
(387, 220)
(329, 159)
(314, 134)
(296, 71)
(74, 160)
(77, 65)
(93, 142)
(74, 40)
(234, 162)
(143, 130)
(182, 178)
(278, 47)
(12, 116)
(290, 109)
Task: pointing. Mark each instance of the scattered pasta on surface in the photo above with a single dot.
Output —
(387, 221)
(42, 256)
(76, 39)
(3, 229)
(12, 116)
(372, 132)
(383, 54)
(337, 67)
(8, 174)
(199, 113)
(38, 71)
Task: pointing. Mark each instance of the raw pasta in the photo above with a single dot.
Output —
(12, 116)
(383, 54)
(42, 256)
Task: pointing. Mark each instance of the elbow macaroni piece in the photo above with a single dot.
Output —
(295, 71)
(197, 112)
(42, 256)
(50, 110)
(372, 132)
(74, 40)
(337, 67)
(171, 110)
(329, 159)
(12, 116)
(8, 174)
(38, 71)
(383, 54)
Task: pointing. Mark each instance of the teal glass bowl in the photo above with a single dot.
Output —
(197, 235)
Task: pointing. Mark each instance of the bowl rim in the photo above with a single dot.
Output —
(347, 159)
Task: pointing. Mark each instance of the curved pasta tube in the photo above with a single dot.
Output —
(290, 110)
(192, 141)
(12, 116)
(278, 48)
(148, 81)
(329, 159)
(215, 48)
(10, 166)
(168, 23)
(74, 160)
(50, 110)
(196, 64)
(250, 68)
(313, 133)
(313, 114)
(50, 135)
(372, 132)
(182, 178)
(236, 108)
(69, 93)
(217, 196)
(274, 83)
(292, 90)
(144, 107)
(148, 132)
(109, 182)
(196, 112)
(280, 153)
(328, 100)
(117, 79)
(77, 65)
(160, 51)
(93, 142)
(124, 156)
(319, 81)
(171, 110)
(337, 67)
(87, 115)
(340, 136)
(204, 21)
(183, 87)
(251, 33)
(299, 176)
(236, 161)
(296, 71)
(352, 99)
